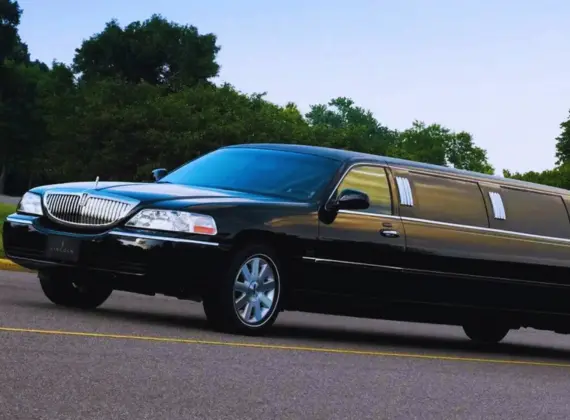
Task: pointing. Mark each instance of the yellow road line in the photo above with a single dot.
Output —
(10, 266)
(283, 347)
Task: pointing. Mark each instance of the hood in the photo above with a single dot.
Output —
(154, 192)
(162, 191)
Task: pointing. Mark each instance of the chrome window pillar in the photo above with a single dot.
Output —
(498, 207)
(405, 191)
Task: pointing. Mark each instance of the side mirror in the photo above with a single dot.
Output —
(158, 174)
(349, 199)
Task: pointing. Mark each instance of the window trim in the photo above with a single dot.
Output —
(559, 200)
(474, 183)
(481, 183)
(347, 171)
(474, 178)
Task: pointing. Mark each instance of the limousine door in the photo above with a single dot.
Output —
(359, 253)
(446, 232)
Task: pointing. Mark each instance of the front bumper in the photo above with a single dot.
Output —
(121, 252)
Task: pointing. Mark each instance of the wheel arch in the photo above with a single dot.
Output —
(282, 244)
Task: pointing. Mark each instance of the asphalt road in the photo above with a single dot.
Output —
(141, 357)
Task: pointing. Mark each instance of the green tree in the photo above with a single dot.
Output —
(92, 120)
(441, 146)
(422, 143)
(155, 51)
(10, 14)
(341, 124)
(117, 130)
(557, 177)
(12, 52)
(563, 143)
(139, 97)
(21, 120)
(462, 153)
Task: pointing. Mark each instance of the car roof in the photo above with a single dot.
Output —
(350, 156)
(328, 152)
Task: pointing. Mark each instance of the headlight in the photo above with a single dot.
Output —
(174, 221)
(30, 203)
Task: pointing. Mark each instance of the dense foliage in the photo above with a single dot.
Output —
(141, 96)
(558, 176)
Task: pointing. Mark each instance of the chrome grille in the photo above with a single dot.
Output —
(86, 210)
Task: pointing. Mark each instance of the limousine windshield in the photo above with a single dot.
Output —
(288, 175)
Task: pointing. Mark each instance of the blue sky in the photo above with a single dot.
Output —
(498, 69)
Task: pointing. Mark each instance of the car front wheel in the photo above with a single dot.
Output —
(62, 289)
(246, 298)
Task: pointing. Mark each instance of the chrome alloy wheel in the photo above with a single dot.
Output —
(256, 289)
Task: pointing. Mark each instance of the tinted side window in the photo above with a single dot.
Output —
(447, 200)
(373, 181)
(535, 213)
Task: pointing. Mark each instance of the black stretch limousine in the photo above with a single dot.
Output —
(252, 230)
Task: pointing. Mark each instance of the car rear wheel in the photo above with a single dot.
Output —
(486, 330)
(61, 288)
(246, 299)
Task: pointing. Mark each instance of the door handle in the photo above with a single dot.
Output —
(389, 233)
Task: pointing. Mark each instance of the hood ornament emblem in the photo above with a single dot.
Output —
(96, 182)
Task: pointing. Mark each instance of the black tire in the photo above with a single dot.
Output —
(60, 289)
(486, 330)
(221, 299)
